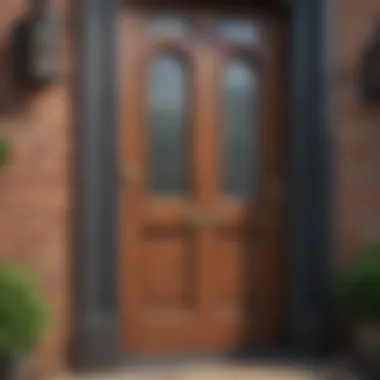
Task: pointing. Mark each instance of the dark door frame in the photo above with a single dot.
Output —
(96, 333)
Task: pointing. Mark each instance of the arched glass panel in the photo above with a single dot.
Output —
(168, 124)
(241, 126)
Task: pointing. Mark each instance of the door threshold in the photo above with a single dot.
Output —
(276, 358)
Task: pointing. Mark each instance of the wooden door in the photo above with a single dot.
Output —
(202, 182)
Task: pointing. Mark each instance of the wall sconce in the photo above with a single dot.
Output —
(38, 46)
(370, 69)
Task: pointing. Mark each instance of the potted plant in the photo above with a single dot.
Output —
(359, 296)
(23, 319)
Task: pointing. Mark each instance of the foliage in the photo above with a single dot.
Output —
(359, 287)
(23, 312)
(5, 151)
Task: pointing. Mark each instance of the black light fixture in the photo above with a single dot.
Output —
(38, 45)
(370, 69)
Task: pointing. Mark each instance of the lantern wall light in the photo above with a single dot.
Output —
(38, 45)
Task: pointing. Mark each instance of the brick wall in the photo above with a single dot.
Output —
(35, 188)
(357, 133)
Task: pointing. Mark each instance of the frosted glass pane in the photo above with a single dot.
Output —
(241, 125)
(168, 125)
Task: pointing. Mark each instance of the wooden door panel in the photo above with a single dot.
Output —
(202, 213)
(164, 306)
(169, 271)
(229, 267)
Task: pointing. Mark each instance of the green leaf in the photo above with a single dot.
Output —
(23, 312)
(359, 287)
(5, 151)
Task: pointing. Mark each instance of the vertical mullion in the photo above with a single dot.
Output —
(205, 168)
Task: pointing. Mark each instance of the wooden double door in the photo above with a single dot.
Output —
(203, 181)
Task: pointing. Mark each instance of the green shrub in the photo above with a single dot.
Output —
(5, 151)
(23, 312)
(359, 287)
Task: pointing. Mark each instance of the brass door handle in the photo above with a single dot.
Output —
(194, 218)
(213, 218)
(200, 218)
(128, 176)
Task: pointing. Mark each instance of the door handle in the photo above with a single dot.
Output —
(194, 218)
(128, 175)
(201, 218)
(212, 218)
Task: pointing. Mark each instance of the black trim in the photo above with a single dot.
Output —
(310, 246)
(95, 267)
(309, 252)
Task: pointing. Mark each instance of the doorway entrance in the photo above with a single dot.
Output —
(203, 170)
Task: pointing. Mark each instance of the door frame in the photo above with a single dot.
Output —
(309, 250)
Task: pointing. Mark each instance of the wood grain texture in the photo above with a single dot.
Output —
(202, 271)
